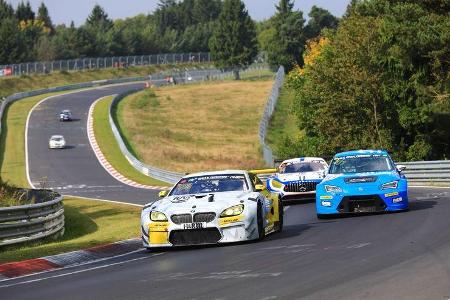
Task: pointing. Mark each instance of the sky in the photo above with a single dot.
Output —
(65, 11)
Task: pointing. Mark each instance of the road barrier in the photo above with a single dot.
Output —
(25, 223)
(264, 123)
(427, 171)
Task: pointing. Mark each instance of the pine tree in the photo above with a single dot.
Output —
(233, 44)
(287, 42)
(99, 19)
(44, 17)
(24, 12)
(6, 10)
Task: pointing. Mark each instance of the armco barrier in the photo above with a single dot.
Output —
(270, 108)
(31, 222)
(427, 171)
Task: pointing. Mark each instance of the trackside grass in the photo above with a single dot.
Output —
(283, 123)
(196, 127)
(11, 85)
(12, 141)
(110, 148)
(87, 223)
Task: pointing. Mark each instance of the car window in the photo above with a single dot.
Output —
(301, 167)
(361, 164)
(210, 184)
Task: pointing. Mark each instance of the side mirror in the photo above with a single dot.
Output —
(260, 187)
(162, 194)
(400, 168)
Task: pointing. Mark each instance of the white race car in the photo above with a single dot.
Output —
(212, 208)
(57, 142)
(297, 178)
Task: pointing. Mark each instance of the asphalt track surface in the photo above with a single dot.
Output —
(384, 256)
(75, 170)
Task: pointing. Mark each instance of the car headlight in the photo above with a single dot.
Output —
(276, 184)
(390, 185)
(332, 189)
(232, 211)
(157, 216)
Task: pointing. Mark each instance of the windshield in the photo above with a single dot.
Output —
(210, 184)
(360, 164)
(57, 139)
(301, 167)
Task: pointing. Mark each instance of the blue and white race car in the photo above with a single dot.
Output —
(362, 181)
(297, 178)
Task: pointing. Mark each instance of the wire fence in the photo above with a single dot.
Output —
(270, 108)
(81, 64)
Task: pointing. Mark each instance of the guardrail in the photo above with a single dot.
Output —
(270, 108)
(427, 171)
(31, 222)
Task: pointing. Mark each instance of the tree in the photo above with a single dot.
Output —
(24, 12)
(233, 44)
(99, 19)
(382, 81)
(319, 19)
(285, 42)
(6, 10)
(44, 17)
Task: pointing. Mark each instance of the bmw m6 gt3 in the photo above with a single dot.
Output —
(212, 208)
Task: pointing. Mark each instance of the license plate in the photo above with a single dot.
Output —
(198, 225)
(365, 209)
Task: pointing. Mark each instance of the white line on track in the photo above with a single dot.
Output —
(105, 200)
(79, 271)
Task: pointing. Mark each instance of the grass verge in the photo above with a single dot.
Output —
(110, 148)
(87, 223)
(196, 127)
(11, 85)
(283, 123)
(12, 142)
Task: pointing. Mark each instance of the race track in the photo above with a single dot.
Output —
(75, 170)
(383, 256)
(386, 256)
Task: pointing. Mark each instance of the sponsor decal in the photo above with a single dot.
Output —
(180, 199)
(326, 197)
(397, 200)
(158, 226)
(391, 194)
(226, 221)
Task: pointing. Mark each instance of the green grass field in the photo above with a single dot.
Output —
(284, 121)
(11, 85)
(188, 128)
(110, 148)
(87, 223)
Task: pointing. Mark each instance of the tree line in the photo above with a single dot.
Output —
(174, 27)
(379, 80)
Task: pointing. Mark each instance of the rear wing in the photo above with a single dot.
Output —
(263, 174)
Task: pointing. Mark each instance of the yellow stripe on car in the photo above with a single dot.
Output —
(158, 233)
(229, 220)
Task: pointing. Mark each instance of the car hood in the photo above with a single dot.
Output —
(299, 176)
(356, 179)
(213, 202)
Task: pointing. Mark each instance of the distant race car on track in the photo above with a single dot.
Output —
(211, 208)
(297, 178)
(362, 181)
(57, 142)
(65, 115)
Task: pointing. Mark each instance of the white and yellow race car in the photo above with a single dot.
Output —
(212, 208)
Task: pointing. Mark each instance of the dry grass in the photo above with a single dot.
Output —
(197, 127)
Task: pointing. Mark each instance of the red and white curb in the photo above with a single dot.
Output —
(70, 259)
(101, 158)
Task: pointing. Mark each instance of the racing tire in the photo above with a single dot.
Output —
(260, 223)
(281, 215)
